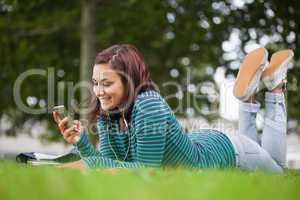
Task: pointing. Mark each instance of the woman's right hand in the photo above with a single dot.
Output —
(70, 134)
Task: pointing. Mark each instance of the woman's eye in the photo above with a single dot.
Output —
(107, 84)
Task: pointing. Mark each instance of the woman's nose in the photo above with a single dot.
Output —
(99, 90)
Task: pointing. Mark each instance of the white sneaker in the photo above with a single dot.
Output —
(276, 72)
(250, 72)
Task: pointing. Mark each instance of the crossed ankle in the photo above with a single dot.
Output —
(252, 98)
(279, 88)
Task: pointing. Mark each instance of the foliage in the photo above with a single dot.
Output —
(186, 36)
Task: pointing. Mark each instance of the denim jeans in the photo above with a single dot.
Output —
(269, 153)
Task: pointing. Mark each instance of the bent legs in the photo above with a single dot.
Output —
(251, 156)
(275, 126)
(271, 155)
(247, 120)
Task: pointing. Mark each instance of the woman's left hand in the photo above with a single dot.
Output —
(74, 165)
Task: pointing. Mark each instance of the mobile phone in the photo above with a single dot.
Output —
(61, 110)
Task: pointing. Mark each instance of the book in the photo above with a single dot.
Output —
(36, 158)
(42, 162)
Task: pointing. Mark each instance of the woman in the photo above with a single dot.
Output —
(137, 128)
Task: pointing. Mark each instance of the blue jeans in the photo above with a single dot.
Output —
(269, 153)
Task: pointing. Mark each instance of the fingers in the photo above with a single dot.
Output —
(72, 138)
(78, 124)
(70, 134)
(63, 123)
(56, 117)
(70, 131)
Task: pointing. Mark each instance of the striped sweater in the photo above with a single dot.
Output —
(155, 139)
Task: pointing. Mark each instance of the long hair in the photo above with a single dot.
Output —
(129, 63)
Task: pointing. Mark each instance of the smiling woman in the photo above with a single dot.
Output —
(137, 128)
(119, 74)
(107, 86)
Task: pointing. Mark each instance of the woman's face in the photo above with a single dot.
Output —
(107, 86)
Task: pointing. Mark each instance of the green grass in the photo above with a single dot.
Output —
(18, 181)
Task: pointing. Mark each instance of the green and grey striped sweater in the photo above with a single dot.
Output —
(155, 139)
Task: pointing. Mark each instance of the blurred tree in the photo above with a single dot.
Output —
(88, 42)
(184, 42)
(42, 35)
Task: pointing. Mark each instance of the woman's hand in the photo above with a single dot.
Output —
(74, 165)
(70, 134)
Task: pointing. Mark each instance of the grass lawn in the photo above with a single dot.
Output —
(18, 181)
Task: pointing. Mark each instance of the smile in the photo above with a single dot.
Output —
(104, 99)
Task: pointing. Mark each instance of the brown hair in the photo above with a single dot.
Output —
(130, 64)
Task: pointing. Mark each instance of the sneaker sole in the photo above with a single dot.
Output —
(251, 69)
(279, 61)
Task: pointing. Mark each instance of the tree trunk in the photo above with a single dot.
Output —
(87, 49)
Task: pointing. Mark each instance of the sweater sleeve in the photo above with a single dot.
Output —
(85, 148)
(150, 121)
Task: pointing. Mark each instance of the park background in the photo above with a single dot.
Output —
(193, 49)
